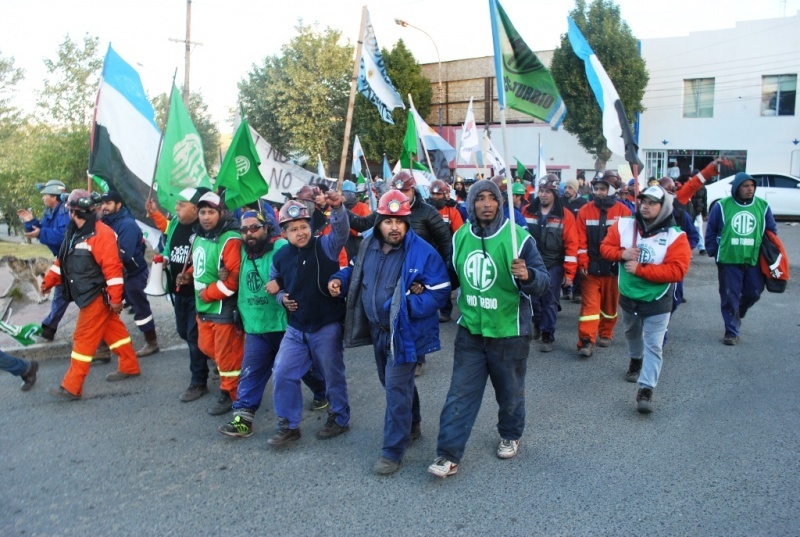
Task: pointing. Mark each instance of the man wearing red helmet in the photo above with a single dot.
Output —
(553, 228)
(299, 280)
(92, 278)
(396, 285)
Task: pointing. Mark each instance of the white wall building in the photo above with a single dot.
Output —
(730, 92)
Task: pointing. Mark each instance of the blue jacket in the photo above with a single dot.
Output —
(414, 320)
(52, 227)
(129, 239)
(687, 225)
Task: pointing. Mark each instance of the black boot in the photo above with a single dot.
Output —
(284, 434)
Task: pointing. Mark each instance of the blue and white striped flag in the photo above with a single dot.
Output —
(373, 82)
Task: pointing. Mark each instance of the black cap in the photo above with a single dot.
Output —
(112, 195)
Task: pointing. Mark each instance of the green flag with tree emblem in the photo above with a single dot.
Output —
(407, 160)
(239, 172)
(181, 163)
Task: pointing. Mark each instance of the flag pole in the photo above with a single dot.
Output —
(161, 138)
(421, 138)
(508, 187)
(475, 159)
(351, 103)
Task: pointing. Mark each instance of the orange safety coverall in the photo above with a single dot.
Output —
(452, 217)
(96, 321)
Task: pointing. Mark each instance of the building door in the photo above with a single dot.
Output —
(655, 164)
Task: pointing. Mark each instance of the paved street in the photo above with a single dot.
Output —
(719, 456)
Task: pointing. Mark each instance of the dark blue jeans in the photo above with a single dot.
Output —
(259, 357)
(740, 286)
(502, 360)
(186, 323)
(13, 365)
(135, 296)
(57, 308)
(545, 307)
(402, 399)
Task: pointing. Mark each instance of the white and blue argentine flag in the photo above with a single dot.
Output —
(604, 91)
(125, 138)
(320, 167)
(373, 82)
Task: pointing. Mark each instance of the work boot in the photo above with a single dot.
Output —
(222, 406)
(730, 340)
(29, 377)
(634, 368)
(193, 393)
(384, 466)
(150, 345)
(604, 342)
(331, 428)
(48, 333)
(63, 394)
(119, 375)
(284, 434)
(585, 350)
(318, 404)
(644, 400)
(102, 355)
(548, 343)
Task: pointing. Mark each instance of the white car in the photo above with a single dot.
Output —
(782, 192)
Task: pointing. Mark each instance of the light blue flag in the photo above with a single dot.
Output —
(616, 128)
(373, 82)
(387, 171)
(320, 167)
(358, 154)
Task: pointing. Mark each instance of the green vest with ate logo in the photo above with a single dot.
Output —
(489, 296)
(261, 313)
(206, 257)
(742, 231)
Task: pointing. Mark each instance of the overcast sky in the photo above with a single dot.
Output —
(235, 34)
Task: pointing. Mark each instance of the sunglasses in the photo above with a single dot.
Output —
(252, 228)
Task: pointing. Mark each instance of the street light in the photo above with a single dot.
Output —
(404, 24)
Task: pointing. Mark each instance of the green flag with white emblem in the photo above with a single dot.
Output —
(239, 172)
(181, 163)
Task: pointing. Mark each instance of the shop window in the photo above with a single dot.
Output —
(698, 97)
(778, 95)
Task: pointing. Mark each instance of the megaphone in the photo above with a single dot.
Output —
(156, 283)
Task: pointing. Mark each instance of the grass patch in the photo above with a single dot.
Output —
(24, 251)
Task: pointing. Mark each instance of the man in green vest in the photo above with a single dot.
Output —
(494, 330)
(735, 228)
(264, 325)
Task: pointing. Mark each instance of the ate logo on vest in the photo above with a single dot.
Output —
(254, 281)
(199, 262)
(480, 271)
(646, 253)
(743, 223)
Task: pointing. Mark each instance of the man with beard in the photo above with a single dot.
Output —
(217, 246)
(735, 230)
(655, 255)
(179, 235)
(131, 249)
(396, 285)
(352, 203)
(425, 220)
(599, 290)
(89, 270)
(264, 325)
(553, 229)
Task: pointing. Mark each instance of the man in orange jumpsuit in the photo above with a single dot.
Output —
(89, 270)
(217, 246)
(599, 289)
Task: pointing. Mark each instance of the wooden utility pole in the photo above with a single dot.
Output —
(351, 102)
(188, 54)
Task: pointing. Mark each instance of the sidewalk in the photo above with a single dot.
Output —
(26, 311)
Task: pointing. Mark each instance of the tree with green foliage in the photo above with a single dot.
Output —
(378, 137)
(203, 122)
(298, 100)
(617, 49)
(69, 91)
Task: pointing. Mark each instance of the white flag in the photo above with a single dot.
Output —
(320, 167)
(358, 154)
(493, 157)
(541, 167)
(373, 82)
(431, 139)
(469, 135)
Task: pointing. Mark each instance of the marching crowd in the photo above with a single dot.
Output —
(261, 294)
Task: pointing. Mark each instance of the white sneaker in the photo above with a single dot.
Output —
(507, 449)
(441, 467)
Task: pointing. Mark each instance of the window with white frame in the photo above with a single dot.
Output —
(698, 97)
(778, 95)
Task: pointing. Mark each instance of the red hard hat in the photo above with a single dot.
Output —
(501, 182)
(403, 181)
(293, 210)
(307, 193)
(394, 203)
(439, 186)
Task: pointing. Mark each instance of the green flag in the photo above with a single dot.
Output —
(407, 161)
(239, 172)
(361, 180)
(522, 171)
(523, 82)
(23, 334)
(101, 183)
(181, 163)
